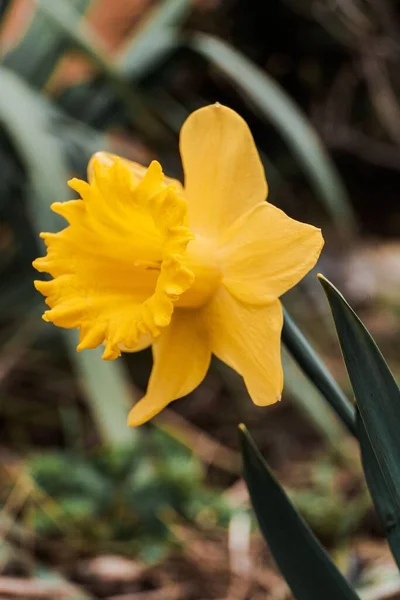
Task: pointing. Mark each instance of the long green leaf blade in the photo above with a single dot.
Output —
(378, 401)
(67, 23)
(380, 493)
(306, 566)
(145, 50)
(273, 102)
(40, 49)
(26, 118)
(155, 40)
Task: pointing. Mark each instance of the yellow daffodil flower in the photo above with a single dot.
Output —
(191, 271)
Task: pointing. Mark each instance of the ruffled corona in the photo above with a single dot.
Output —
(118, 268)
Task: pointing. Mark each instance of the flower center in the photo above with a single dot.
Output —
(200, 258)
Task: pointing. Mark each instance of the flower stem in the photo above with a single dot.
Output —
(108, 393)
(311, 364)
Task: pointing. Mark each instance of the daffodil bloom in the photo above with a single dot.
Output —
(190, 270)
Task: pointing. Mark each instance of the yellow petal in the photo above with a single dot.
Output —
(247, 338)
(137, 170)
(224, 177)
(265, 253)
(181, 359)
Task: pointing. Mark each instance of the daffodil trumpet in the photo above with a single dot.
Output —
(191, 270)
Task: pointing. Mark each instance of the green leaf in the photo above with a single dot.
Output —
(378, 401)
(65, 20)
(380, 493)
(155, 40)
(305, 565)
(27, 119)
(143, 56)
(146, 49)
(278, 108)
(40, 49)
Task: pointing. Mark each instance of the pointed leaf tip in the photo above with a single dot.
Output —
(378, 401)
(306, 566)
(328, 285)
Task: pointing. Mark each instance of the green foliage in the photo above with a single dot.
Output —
(378, 402)
(40, 49)
(118, 498)
(156, 40)
(65, 20)
(45, 140)
(376, 425)
(41, 146)
(320, 502)
(305, 565)
(27, 117)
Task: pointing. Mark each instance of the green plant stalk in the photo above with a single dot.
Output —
(108, 390)
(310, 363)
(309, 400)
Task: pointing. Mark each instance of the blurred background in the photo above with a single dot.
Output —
(89, 508)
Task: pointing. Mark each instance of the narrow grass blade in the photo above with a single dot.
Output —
(306, 566)
(311, 364)
(41, 47)
(145, 50)
(24, 116)
(143, 56)
(155, 40)
(108, 390)
(67, 24)
(378, 401)
(278, 108)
